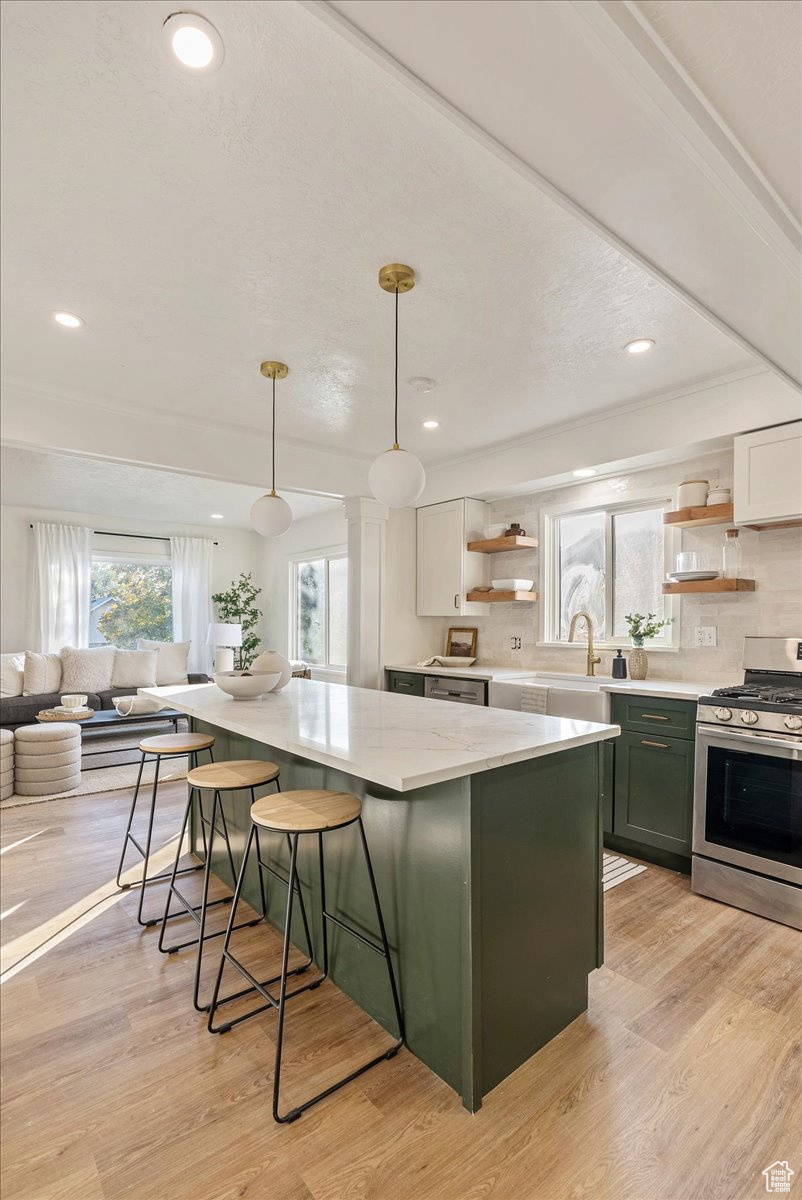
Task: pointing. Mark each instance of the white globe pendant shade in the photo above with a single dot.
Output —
(396, 478)
(271, 515)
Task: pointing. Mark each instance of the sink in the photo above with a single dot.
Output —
(576, 696)
(573, 696)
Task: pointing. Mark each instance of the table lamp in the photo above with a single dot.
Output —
(223, 636)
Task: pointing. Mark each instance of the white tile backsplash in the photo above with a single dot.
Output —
(772, 558)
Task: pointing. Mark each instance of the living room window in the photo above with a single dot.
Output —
(319, 609)
(132, 597)
(607, 561)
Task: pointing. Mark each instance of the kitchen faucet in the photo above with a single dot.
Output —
(592, 658)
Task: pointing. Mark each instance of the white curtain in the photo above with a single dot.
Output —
(62, 567)
(192, 597)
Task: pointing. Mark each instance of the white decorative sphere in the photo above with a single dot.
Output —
(396, 478)
(271, 515)
(269, 661)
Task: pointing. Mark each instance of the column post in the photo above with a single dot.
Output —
(367, 535)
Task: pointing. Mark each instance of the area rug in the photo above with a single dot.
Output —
(617, 870)
(115, 773)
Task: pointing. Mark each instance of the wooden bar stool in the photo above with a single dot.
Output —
(160, 746)
(216, 777)
(295, 814)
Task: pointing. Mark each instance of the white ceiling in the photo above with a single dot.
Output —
(581, 97)
(745, 58)
(202, 224)
(39, 479)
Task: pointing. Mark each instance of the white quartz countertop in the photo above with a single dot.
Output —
(400, 742)
(670, 689)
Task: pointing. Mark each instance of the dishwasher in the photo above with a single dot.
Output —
(462, 691)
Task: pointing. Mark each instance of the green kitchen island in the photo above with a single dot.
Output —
(485, 831)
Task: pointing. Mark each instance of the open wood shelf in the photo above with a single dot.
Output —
(497, 545)
(705, 514)
(709, 585)
(502, 597)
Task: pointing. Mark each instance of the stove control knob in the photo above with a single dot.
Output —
(793, 722)
(723, 714)
(748, 717)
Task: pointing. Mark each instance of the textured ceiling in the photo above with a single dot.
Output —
(37, 479)
(202, 224)
(745, 58)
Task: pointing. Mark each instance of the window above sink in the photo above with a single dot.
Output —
(607, 560)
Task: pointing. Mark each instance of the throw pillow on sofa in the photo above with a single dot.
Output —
(41, 674)
(171, 666)
(134, 669)
(87, 670)
(12, 674)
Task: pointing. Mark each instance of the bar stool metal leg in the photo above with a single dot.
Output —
(198, 911)
(226, 956)
(383, 950)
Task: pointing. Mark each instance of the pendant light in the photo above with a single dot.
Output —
(396, 477)
(270, 514)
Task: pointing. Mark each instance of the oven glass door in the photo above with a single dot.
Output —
(753, 800)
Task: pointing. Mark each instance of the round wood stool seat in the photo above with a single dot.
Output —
(176, 743)
(309, 811)
(237, 773)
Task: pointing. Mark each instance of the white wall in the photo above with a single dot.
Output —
(407, 637)
(237, 550)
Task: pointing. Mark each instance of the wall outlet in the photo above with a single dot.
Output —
(515, 643)
(705, 635)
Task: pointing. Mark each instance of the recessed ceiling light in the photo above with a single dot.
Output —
(421, 384)
(215, 516)
(584, 472)
(639, 346)
(68, 320)
(194, 42)
(431, 424)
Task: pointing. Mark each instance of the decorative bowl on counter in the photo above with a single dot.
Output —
(242, 685)
(513, 585)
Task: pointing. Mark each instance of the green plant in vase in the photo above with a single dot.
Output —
(641, 628)
(238, 606)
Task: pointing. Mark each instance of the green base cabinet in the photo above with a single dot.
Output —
(649, 801)
(406, 683)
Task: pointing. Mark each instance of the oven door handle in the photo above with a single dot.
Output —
(751, 741)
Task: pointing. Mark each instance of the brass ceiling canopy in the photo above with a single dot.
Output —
(274, 370)
(396, 277)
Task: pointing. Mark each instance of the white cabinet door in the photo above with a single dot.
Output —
(768, 475)
(440, 555)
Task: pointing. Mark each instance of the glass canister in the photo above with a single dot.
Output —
(731, 555)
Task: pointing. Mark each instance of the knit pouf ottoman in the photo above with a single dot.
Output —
(6, 764)
(47, 758)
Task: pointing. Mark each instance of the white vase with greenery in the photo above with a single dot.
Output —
(640, 630)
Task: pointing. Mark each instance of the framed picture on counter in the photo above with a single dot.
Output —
(461, 643)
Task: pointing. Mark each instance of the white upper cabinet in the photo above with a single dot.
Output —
(446, 569)
(767, 484)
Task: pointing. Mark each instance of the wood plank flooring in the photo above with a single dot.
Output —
(682, 1082)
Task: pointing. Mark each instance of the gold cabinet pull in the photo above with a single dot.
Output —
(659, 745)
(653, 717)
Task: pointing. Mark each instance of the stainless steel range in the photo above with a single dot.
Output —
(747, 826)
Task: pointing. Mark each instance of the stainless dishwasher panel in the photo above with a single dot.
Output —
(463, 691)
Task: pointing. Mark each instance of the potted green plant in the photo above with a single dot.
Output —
(238, 605)
(641, 628)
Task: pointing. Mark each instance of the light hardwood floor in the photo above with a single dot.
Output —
(682, 1082)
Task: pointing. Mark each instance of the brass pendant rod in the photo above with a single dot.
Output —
(395, 439)
(274, 435)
